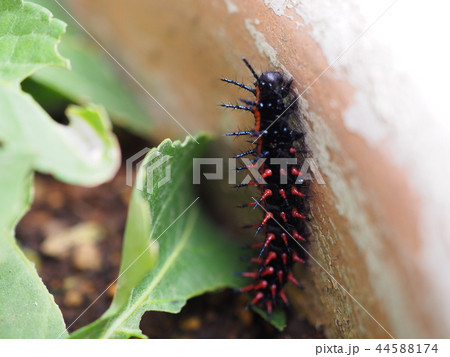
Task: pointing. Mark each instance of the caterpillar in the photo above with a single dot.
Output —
(283, 198)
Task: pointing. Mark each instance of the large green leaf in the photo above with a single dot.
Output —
(170, 252)
(15, 188)
(93, 78)
(27, 310)
(85, 152)
(28, 39)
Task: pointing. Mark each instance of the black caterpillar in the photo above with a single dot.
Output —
(283, 199)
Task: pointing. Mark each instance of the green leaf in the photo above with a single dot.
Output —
(27, 310)
(28, 39)
(85, 152)
(170, 251)
(15, 188)
(93, 78)
(278, 318)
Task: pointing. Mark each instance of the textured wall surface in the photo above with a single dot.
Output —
(373, 76)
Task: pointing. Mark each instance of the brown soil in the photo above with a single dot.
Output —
(58, 206)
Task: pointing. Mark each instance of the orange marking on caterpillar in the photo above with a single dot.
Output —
(256, 111)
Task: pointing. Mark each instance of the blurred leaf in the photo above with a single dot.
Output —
(278, 318)
(27, 310)
(28, 39)
(15, 188)
(53, 102)
(84, 152)
(93, 78)
(170, 252)
(58, 12)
